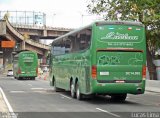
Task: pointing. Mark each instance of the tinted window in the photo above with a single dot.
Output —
(73, 43)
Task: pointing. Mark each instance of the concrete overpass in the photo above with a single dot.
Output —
(9, 33)
(41, 32)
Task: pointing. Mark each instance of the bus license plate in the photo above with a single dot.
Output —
(120, 81)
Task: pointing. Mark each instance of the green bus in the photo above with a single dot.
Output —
(107, 58)
(25, 65)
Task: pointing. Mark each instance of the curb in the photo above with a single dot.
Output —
(12, 114)
(152, 91)
(153, 86)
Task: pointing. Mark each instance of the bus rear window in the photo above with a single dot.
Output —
(28, 60)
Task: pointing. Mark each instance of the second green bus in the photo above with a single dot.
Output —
(25, 65)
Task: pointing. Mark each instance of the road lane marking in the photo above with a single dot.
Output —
(64, 96)
(16, 91)
(8, 104)
(37, 88)
(108, 112)
(30, 84)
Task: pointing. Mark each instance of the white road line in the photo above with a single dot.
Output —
(30, 84)
(108, 112)
(65, 96)
(8, 104)
(37, 88)
(16, 91)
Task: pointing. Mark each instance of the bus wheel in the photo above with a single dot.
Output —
(118, 97)
(55, 88)
(72, 88)
(78, 93)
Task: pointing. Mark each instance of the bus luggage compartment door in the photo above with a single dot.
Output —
(120, 66)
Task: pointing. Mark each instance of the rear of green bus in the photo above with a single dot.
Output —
(118, 58)
(28, 65)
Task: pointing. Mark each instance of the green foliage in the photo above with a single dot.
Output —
(145, 11)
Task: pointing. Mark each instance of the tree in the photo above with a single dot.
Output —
(145, 11)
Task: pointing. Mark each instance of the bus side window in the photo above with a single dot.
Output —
(67, 44)
(57, 50)
(80, 41)
(85, 39)
(73, 46)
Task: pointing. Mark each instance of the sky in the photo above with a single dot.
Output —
(59, 13)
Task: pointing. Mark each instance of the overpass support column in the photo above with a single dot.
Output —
(45, 31)
(23, 45)
(7, 58)
(44, 58)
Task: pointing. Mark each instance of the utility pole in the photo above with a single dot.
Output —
(53, 18)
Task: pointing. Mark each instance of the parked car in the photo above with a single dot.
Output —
(10, 73)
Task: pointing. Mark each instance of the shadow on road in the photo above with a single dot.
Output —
(102, 100)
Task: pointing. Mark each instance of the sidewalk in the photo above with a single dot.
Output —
(3, 106)
(153, 89)
(153, 86)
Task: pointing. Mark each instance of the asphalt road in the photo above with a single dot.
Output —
(36, 99)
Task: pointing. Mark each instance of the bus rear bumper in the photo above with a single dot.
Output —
(118, 88)
(27, 75)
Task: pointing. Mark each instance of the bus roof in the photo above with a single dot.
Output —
(119, 23)
(23, 51)
(99, 23)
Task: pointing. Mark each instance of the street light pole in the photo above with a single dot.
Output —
(80, 13)
(53, 18)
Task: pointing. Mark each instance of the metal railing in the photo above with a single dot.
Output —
(25, 17)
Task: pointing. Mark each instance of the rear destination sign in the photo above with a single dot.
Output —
(117, 35)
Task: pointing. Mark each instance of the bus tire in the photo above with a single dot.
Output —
(78, 93)
(55, 88)
(54, 85)
(119, 97)
(72, 88)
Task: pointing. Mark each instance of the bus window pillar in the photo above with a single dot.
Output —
(7, 57)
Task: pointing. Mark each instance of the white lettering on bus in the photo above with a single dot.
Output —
(133, 73)
(113, 35)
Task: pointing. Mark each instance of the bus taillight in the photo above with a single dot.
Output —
(19, 71)
(94, 72)
(144, 72)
